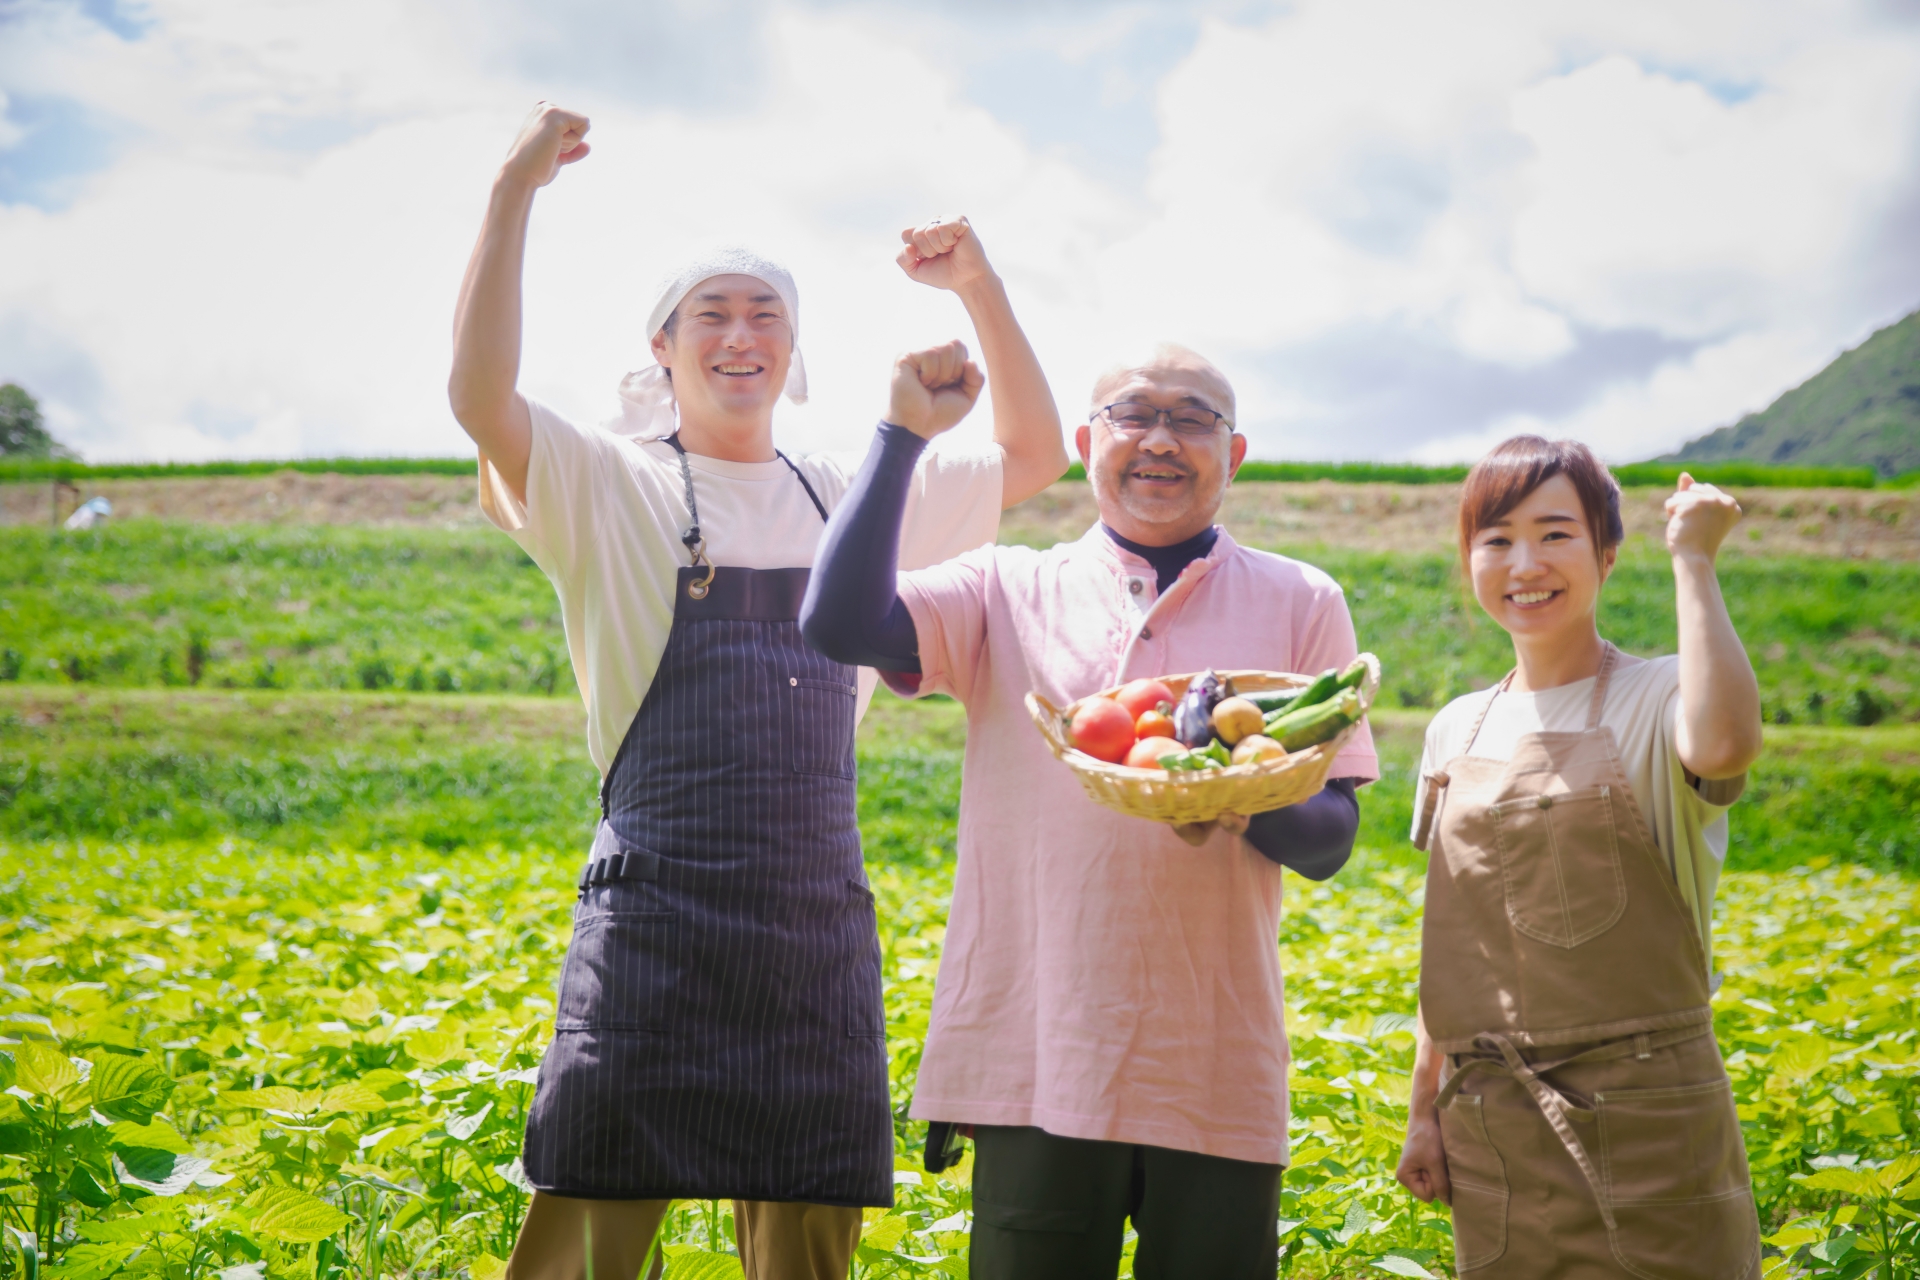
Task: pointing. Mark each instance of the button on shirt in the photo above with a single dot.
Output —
(1100, 977)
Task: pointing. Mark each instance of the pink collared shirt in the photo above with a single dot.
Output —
(1101, 978)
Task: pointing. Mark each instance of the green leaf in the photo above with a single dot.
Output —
(1852, 1182)
(886, 1233)
(290, 1215)
(353, 1097)
(18, 1139)
(273, 1098)
(1791, 1237)
(158, 1136)
(1836, 1247)
(161, 1172)
(41, 1069)
(127, 1088)
(87, 1190)
(6, 1070)
(1394, 1265)
(1356, 1221)
(486, 1267)
(704, 1266)
(1801, 1056)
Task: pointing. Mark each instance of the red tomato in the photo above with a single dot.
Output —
(1103, 729)
(1154, 724)
(1142, 696)
(1146, 753)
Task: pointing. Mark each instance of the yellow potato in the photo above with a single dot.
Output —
(1235, 718)
(1257, 746)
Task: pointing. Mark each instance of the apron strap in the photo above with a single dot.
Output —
(1497, 1053)
(1485, 707)
(802, 478)
(1600, 686)
(695, 544)
(1436, 783)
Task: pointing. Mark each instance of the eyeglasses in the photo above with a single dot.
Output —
(1131, 417)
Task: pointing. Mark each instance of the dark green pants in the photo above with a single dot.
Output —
(1048, 1208)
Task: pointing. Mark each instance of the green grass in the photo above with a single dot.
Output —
(21, 470)
(308, 771)
(146, 604)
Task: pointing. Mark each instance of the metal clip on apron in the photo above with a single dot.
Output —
(1557, 954)
(720, 1031)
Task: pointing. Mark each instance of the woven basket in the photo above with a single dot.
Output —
(1202, 796)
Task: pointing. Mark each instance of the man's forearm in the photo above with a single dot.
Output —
(1026, 422)
(486, 336)
(1313, 838)
(853, 612)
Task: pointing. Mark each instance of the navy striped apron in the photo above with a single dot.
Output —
(720, 1031)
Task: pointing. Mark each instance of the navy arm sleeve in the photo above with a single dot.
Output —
(1314, 837)
(853, 612)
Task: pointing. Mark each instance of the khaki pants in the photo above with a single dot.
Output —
(778, 1240)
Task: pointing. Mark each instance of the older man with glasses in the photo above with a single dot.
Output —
(1107, 1022)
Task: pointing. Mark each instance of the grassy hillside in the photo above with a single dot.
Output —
(435, 610)
(317, 770)
(1861, 410)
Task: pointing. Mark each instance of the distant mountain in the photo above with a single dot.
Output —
(1863, 410)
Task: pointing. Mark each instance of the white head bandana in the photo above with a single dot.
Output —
(646, 396)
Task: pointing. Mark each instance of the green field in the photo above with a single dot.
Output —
(315, 607)
(302, 925)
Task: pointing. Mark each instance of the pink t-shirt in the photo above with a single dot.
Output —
(1101, 978)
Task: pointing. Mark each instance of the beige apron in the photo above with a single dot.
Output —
(1587, 1118)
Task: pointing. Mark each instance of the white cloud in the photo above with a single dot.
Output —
(1400, 226)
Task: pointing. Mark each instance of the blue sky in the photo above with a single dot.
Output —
(1405, 230)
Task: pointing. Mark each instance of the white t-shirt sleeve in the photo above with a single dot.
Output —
(566, 474)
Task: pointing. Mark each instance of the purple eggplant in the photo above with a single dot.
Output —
(1193, 718)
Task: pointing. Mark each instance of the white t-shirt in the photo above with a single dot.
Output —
(1688, 820)
(603, 519)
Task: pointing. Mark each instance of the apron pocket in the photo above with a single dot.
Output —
(1560, 858)
(1673, 1162)
(866, 1009)
(822, 726)
(621, 972)
(1479, 1179)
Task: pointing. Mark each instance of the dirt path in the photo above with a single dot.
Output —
(1861, 523)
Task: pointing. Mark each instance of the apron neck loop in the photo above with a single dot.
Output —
(1600, 685)
(695, 544)
(1485, 707)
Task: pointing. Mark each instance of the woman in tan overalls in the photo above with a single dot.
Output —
(1569, 1100)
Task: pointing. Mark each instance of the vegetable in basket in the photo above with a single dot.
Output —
(1193, 719)
(1310, 726)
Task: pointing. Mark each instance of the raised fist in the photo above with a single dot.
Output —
(933, 389)
(552, 136)
(1699, 517)
(944, 253)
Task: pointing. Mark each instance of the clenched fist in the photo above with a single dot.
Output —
(552, 136)
(933, 389)
(1699, 517)
(944, 253)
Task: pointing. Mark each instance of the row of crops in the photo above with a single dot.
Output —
(222, 1060)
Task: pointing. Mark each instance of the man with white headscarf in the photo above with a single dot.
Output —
(720, 1032)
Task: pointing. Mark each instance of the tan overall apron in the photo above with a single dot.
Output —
(1587, 1118)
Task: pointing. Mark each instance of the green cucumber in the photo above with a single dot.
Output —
(1352, 677)
(1310, 726)
(1280, 702)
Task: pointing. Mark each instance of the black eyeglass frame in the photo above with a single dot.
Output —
(1165, 415)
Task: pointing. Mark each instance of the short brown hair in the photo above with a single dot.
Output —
(1502, 480)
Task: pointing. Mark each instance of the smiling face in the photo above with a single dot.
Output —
(1537, 570)
(728, 350)
(1158, 487)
